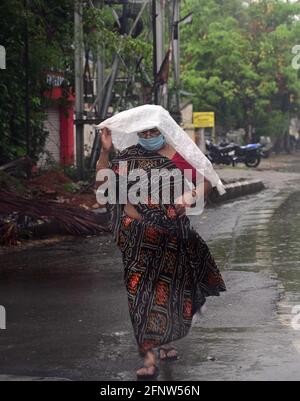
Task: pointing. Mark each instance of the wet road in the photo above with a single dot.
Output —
(67, 309)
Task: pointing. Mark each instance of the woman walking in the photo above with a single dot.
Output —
(168, 268)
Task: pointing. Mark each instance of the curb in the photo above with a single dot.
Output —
(236, 190)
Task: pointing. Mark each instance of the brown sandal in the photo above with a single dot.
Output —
(166, 351)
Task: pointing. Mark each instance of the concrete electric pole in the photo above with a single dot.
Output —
(79, 105)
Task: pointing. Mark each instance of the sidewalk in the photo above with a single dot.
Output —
(241, 180)
(270, 171)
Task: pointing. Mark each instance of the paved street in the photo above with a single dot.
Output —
(67, 311)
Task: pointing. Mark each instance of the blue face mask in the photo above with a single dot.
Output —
(153, 144)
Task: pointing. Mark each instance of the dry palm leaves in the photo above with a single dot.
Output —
(19, 213)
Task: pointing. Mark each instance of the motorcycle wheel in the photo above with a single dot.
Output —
(253, 161)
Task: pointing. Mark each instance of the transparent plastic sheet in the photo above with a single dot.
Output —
(125, 126)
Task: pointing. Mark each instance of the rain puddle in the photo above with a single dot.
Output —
(251, 335)
(268, 239)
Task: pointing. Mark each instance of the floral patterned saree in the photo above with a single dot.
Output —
(168, 268)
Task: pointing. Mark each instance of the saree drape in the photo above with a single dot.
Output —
(168, 268)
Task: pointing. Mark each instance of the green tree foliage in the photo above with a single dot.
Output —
(237, 60)
(49, 25)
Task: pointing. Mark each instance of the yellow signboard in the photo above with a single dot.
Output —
(204, 120)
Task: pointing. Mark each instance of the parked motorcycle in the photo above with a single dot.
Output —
(231, 154)
(220, 155)
(249, 154)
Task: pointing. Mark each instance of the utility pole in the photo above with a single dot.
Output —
(158, 28)
(176, 51)
(100, 77)
(160, 31)
(107, 97)
(100, 73)
(154, 23)
(79, 105)
(26, 63)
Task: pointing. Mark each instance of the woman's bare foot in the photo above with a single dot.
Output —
(150, 369)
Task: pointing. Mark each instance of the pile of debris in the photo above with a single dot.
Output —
(21, 217)
(54, 185)
(47, 204)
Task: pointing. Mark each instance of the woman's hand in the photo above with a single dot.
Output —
(106, 140)
(180, 210)
(183, 202)
(188, 199)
